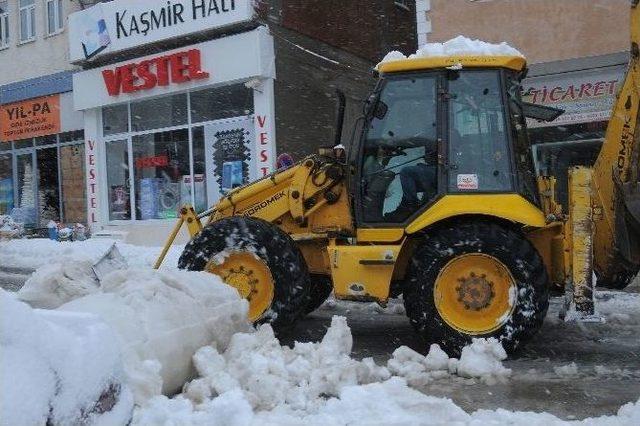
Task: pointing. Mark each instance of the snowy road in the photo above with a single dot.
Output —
(607, 357)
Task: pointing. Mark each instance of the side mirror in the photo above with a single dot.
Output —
(380, 110)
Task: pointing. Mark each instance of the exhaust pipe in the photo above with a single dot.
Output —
(339, 116)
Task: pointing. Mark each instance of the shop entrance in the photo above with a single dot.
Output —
(37, 189)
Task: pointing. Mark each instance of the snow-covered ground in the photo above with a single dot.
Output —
(357, 363)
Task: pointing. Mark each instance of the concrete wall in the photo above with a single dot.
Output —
(543, 30)
(43, 56)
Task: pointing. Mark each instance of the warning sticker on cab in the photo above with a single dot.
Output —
(467, 182)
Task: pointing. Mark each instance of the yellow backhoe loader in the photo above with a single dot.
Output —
(438, 202)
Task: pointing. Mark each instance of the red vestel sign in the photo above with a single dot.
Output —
(175, 68)
(148, 162)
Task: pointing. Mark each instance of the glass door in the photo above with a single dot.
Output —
(118, 180)
(48, 186)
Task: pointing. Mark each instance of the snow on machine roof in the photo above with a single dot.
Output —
(457, 53)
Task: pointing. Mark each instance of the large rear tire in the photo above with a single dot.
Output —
(475, 279)
(258, 259)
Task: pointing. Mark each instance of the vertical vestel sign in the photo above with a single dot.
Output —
(92, 182)
(264, 159)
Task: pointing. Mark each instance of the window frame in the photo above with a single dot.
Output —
(58, 17)
(5, 38)
(30, 11)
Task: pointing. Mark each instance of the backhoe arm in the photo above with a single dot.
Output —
(616, 192)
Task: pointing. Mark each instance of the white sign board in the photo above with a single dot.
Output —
(585, 96)
(225, 60)
(123, 24)
(229, 157)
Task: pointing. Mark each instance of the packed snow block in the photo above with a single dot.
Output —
(56, 284)
(161, 318)
(59, 368)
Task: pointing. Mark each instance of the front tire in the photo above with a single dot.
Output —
(260, 261)
(475, 279)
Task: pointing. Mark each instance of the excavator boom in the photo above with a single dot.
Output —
(616, 190)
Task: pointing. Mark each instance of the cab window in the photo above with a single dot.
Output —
(479, 158)
(399, 165)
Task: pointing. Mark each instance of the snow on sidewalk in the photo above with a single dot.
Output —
(31, 254)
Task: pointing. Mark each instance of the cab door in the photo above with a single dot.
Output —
(399, 172)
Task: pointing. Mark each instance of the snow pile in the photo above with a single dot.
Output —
(482, 360)
(10, 228)
(459, 46)
(256, 381)
(568, 370)
(37, 252)
(161, 319)
(270, 375)
(59, 368)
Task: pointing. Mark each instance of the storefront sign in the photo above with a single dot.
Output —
(585, 96)
(92, 182)
(28, 119)
(264, 156)
(148, 162)
(123, 24)
(234, 58)
(175, 68)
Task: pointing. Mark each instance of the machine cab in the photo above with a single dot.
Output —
(433, 130)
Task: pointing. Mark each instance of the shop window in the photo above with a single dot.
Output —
(4, 24)
(6, 184)
(74, 198)
(5, 146)
(162, 173)
(117, 155)
(23, 143)
(115, 119)
(46, 140)
(224, 102)
(168, 111)
(27, 20)
(55, 19)
(74, 136)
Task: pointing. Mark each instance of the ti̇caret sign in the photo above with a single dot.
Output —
(124, 24)
(585, 96)
(29, 119)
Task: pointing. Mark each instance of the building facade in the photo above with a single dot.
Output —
(577, 53)
(182, 102)
(41, 134)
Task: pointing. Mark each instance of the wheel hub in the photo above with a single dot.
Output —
(475, 292)
(243, 280)
(248, 274)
